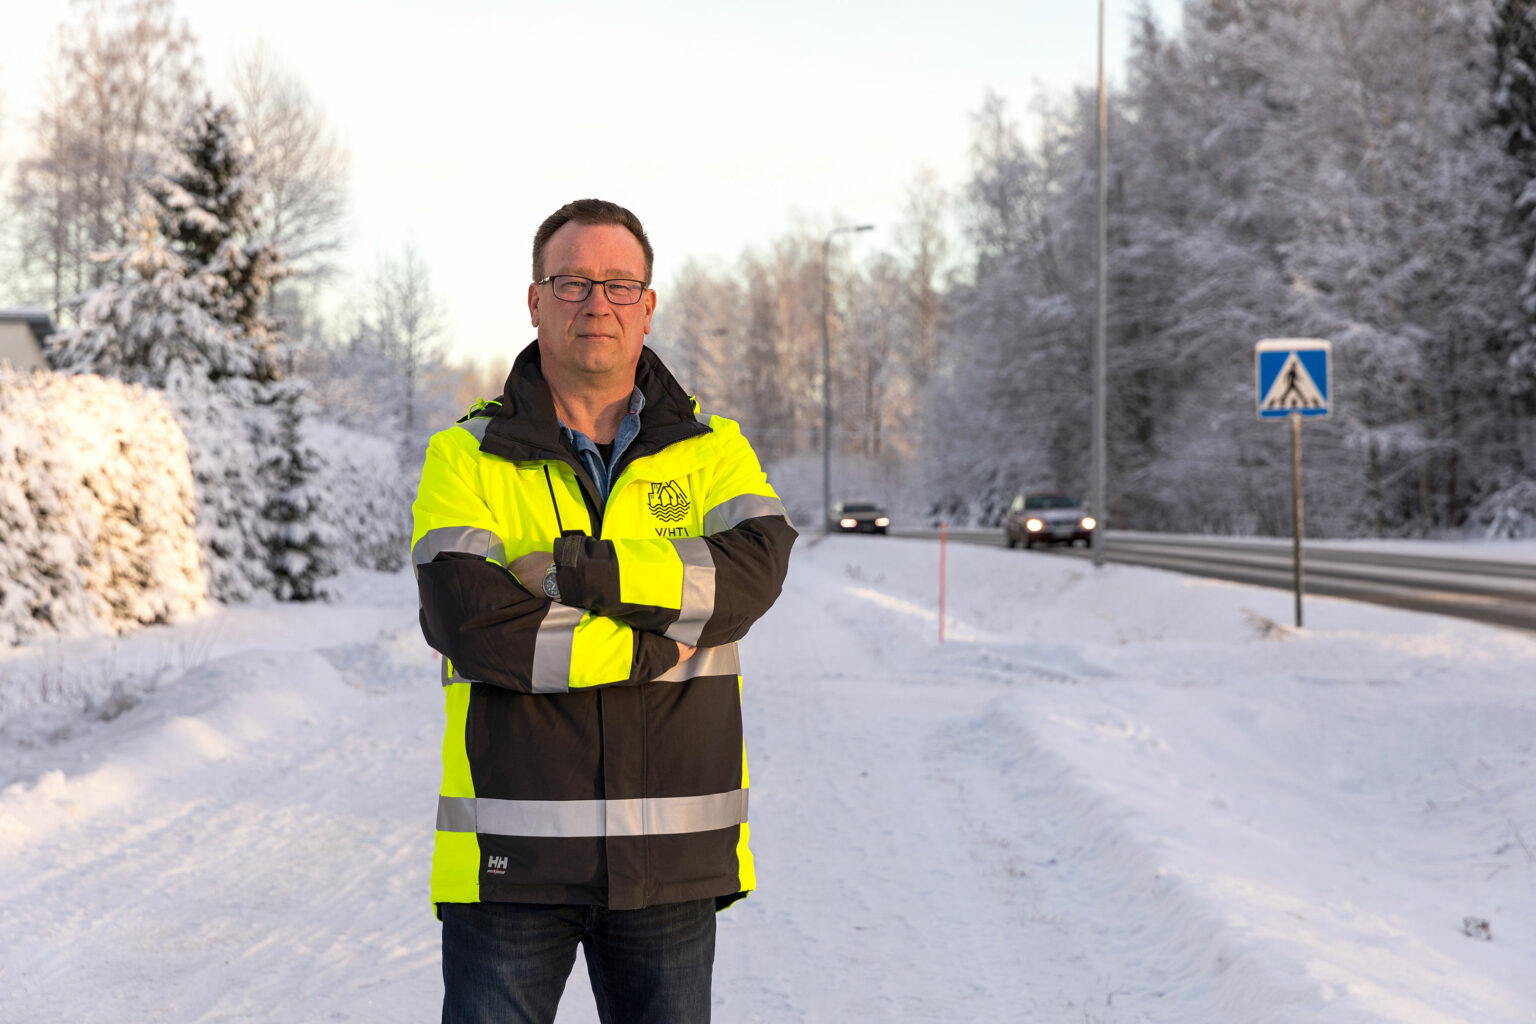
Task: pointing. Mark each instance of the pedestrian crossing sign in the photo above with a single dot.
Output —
(1293, 377)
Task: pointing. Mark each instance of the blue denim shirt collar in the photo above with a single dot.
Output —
(592, 459)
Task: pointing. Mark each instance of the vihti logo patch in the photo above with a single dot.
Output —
(667, 502)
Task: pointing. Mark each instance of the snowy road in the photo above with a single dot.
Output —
(1111, 797)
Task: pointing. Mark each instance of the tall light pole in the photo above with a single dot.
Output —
(1100, 510)
(826, 371)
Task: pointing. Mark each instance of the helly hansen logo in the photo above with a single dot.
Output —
(496, 865)
(667, 502)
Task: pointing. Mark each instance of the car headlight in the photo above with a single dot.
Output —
(1089, 522)
(882, 521)
(847, 524)
(1033, 525)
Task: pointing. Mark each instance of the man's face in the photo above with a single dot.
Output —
(592, 342)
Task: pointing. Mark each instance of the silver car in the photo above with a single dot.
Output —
(1048, 519)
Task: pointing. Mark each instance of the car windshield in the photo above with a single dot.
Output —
(859, 506)
(1039, 501)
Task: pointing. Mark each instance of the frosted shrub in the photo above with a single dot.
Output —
(364, 496)
(300, 546)
(226, 436)
(1509, 514)
(96, 508)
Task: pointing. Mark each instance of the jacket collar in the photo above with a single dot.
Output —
(524, 426)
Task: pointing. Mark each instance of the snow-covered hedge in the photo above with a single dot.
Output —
(96, 507)
(364, 496)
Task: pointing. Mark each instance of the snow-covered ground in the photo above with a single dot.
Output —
(1110, 796)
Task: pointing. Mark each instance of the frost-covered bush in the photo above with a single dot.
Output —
(300, 545)
(364, 495)
(227, 437)
(96, 508)
(1509, 514)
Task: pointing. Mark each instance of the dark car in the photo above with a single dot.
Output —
(858, 517)
(1048, 519)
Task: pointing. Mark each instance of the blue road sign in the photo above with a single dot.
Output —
(1293, 377)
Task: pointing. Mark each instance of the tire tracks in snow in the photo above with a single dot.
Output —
(948, 866)
(250, 845)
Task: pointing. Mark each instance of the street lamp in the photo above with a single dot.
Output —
(826, 371)
(1100, 441)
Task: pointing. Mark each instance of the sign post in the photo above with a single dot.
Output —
(943, 544)
(1294, 382)
(1296, 516)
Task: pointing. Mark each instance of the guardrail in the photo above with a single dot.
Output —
(1487, 590)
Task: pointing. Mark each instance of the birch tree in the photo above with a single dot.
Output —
(122, 79)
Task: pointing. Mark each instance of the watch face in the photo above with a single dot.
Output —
(551, 587)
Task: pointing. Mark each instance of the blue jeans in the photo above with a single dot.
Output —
(507, 963)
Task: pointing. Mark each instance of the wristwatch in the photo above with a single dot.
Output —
(551, 585)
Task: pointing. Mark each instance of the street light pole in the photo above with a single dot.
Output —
(1100, 509)
(826, 371)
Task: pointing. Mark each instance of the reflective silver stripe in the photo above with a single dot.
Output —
(707, 661)
(551, 818)
(450, 676)
(552, 649)
(674, 814)
(476, 425)
(469, 539)
(698, 601)
(740, 508)
(455, 814)
(565, 819)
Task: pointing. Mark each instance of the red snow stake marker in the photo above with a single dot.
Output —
(943, 544)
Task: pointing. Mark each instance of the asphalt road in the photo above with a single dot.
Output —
(1498, 592)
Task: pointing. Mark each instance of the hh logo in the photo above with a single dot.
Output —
(496, 865)
(667, 502)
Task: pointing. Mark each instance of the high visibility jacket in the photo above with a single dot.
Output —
(581, 762)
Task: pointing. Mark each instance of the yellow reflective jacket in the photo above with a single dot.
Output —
(581, 762)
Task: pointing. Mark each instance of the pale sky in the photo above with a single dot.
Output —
(722, 125)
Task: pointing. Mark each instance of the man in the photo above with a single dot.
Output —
(588, 550)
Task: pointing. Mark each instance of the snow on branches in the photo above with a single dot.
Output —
(95, 508)
(181, 311)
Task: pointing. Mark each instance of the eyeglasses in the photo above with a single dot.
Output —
(620, 291)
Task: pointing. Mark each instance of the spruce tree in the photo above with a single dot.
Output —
(183, 312)
(1513, 115)
(299, 552)
(209, 216)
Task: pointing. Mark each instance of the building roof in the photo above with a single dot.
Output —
(35, 317)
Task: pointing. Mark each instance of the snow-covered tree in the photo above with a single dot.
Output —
(1011, 392)
(155, 329)
(182, 312)
(122, 74)
(209, 216)
(390, 373)
(365, 494)
(697, 332)
(298, 173)
(186, 293)
(1512, 112)
(298, 168)
(300, 546)
(1402, 251)
(152, 322)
